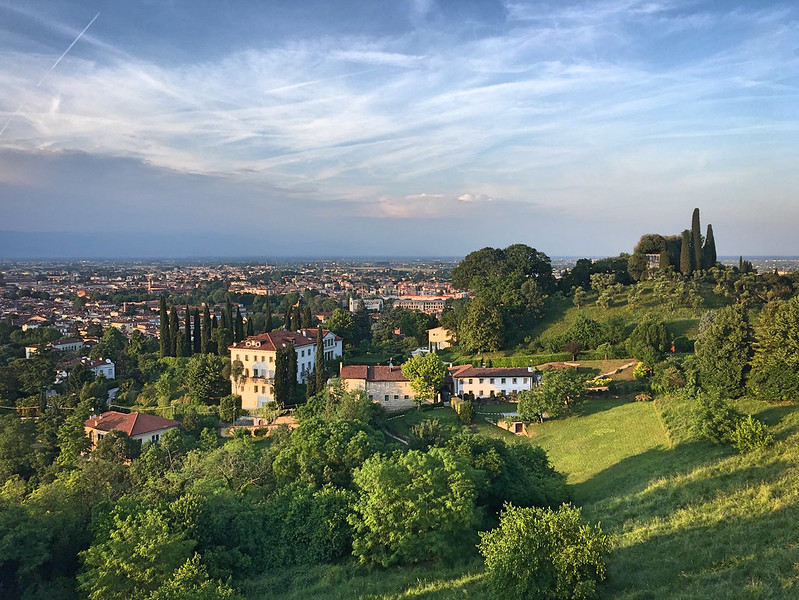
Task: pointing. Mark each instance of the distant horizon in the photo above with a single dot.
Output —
(407, 128)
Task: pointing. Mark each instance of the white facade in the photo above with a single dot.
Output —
(482, 381)
(257, 355)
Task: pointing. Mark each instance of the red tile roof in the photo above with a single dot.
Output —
(376, 373)
(276, 339)
(134, 423)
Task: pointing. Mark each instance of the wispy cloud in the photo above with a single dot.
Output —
(563, 106)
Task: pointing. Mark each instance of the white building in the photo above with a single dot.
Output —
(257, 355)
(370, 304)
(481, 381)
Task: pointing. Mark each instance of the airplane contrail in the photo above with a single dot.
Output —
(55, 64)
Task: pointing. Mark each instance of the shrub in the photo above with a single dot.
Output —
(641, 371)
(643, 397)
(540, 553)
(714, 419)
(466, 412)
(750, 434)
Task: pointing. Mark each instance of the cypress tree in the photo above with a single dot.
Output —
(238, 328)
(187, 347)
(696, 241)
(296, 320)
(197, 339)
(685, 253)
(164, 329)
(250, 328)
(224, 321)
(268, 325)
(214, 323)
(709, 251)
(291, 368)
(206, 330)
(229, 315)
(664, 259)
(280, 383)
(174, 332)
(306, 316)
(320, 376)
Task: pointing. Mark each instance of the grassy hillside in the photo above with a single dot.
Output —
(688, 519)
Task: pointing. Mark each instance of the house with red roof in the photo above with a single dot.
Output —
(257, 354)
(384, 384)
(481, 381)
(139, 426)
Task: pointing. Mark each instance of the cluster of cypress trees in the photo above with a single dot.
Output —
(694, 255)
(197, 338)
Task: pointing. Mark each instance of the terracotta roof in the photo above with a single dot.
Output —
(134, 423)
(470, 371)
(276, 339)
(376, 373)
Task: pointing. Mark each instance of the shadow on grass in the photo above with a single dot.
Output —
(783, 417)
(635, 473)
(681, 327)
(733, 557)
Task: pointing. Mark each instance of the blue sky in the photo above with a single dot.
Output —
(415, 127)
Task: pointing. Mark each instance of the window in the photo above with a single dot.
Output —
(471, 382)
(492, 381)
(524, 380)
(503, 393)
(371, 397)
(155, 437)
(256, 389)
(481, 381)
(262, 359)
(302, 353)
(246, 357)
(238, 357)
(480, 394)
(406, 396)
(503, 381)
(271, 359)
(514, 380)
(386, 397)
(396, 397)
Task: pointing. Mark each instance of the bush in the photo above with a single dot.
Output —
(641, 371)
(750, 434)
(540, 553)
(643, 397)
(714, 419)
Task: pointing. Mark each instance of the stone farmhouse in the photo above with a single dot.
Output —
(384, 384)
(257, 355)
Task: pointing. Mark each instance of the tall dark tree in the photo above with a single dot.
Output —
(188, 348)
(292, 369)
(685, 253)
(249, 330)
(197, 335)
(205, 334)
(238, 327)
(696, 241)
(268, 325)
(166, 344)
(320, 376)
(229, 324)
(287, 319)
(725, 352)
(362, 322)
(709, 250)
(306, 316)
(174, 332)
(285, 381)
(296, 320)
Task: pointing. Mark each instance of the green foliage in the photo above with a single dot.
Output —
(648, 341)
(204, 377)
(714, 419)
(481, 329)
(562, 390)
(751, 434)
(544, 554)
(641, 371)
(132, 556)
(229, 407)
(116, 446)
(775, 364)
(322, 452)
(191, 582)
(308, 525)
(492, 262)
(342, 323)
(465, 411)
(426, 373)
(412, 507)
(723, 357)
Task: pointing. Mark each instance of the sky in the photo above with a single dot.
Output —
(395, 127)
